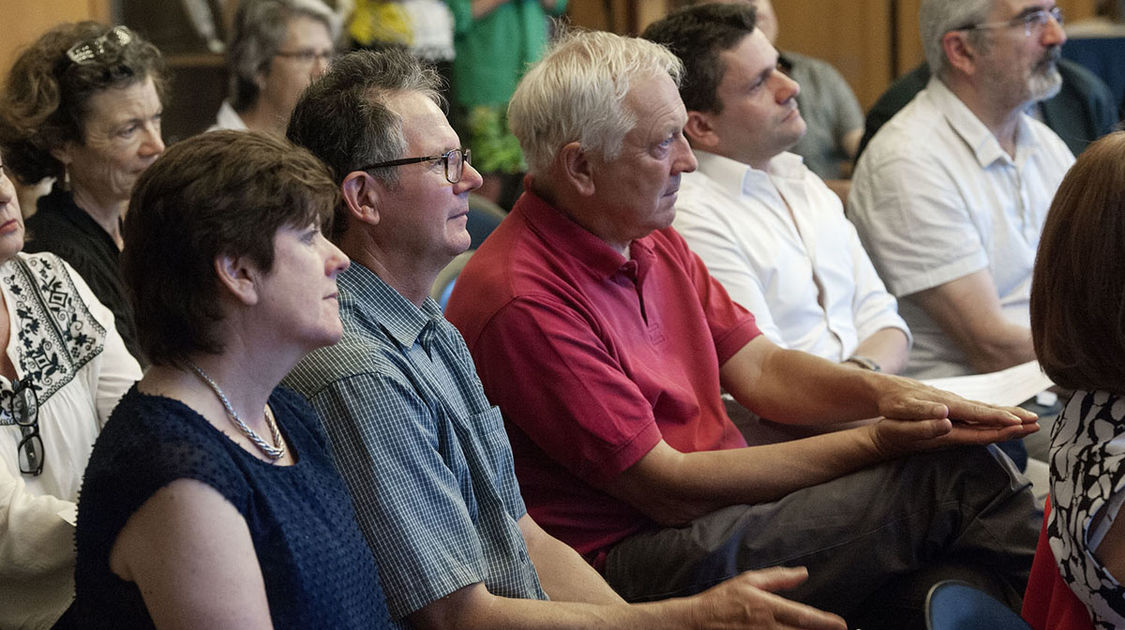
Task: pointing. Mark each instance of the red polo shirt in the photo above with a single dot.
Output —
(593, 359)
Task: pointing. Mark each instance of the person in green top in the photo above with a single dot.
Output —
(495, 40)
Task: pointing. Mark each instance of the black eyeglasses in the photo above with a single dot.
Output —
(87, 52)
(23, 407)
(454, 160)
(1032, 21)
(307, 56)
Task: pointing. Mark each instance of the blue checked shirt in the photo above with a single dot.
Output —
(424, 454)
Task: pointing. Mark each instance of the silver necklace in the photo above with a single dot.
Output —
(273, 451)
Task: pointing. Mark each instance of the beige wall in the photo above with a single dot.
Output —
(24, 20)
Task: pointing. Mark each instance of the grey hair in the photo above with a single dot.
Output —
(344, 120)
(577, 93)
(938, 17)
(259, 28)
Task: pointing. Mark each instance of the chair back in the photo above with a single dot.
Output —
(443, 284)
(955, 605)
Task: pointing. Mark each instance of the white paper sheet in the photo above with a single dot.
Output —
(1006, 387)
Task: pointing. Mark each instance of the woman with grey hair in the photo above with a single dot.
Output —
(277, 48)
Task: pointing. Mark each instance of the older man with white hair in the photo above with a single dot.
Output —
(605, 343)
(950, 196)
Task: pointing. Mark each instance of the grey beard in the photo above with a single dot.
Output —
(1046, 84)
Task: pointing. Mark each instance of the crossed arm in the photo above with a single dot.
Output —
(968, 310)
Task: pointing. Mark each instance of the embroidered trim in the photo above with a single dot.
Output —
(57, 333)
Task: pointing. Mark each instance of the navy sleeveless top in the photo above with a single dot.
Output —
(317, 568)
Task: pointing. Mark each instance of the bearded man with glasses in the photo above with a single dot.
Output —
(950, 196)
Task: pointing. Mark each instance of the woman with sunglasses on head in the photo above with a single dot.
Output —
(210, 500)
(62, 370)
(82, 105)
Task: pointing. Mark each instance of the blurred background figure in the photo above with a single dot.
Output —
(423, 27)
(82, 105)
(62, 371)
(827, 103)
(496, 40)
(211, 491)
(277, 47)
(1078, 326)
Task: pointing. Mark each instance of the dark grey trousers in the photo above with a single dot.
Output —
(872, 540)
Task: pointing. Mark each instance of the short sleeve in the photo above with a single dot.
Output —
(914, 222)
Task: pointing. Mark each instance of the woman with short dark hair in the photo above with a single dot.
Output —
(1078, 326)
(210, 500)
(82, 105)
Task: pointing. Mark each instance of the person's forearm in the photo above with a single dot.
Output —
(563, 574)
(674, 488)
(887, 347)
(36, 539)
(798, 388)
(1001, 349)
(746, 601)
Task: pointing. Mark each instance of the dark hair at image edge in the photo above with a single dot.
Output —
(1078, 290)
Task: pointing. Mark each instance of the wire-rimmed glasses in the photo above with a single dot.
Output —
(23, 407)
(454, 160)
(1032, 21)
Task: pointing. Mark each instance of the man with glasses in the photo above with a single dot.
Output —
(950, 195)
(423, 451)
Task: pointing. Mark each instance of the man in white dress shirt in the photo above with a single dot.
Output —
(950, 196)
(766, 226)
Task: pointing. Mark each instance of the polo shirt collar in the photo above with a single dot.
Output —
(976, 135)
(382, 306)
(563, 234)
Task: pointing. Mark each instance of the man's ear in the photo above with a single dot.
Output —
(362, 193)
(576, 168)
(239, 276)
(700, 132)
(960, 53)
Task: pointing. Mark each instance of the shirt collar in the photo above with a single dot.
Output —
(379, 305)
(560, 232)
(732, 175)
(975, 134)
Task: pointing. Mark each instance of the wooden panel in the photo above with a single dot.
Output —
(25, 21)
(854, 36)
(627, 17)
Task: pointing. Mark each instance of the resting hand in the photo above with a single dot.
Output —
(907, 399)
(897, 437)
(747, 601)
